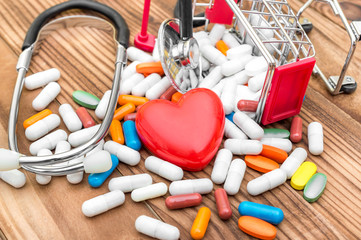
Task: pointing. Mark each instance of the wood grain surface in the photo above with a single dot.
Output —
(85, 57)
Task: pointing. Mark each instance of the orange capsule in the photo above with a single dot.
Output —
(33, 119)
(223, 206)
(222, 47)
(116, 131)
(296, 129)
(149, 68)
(260, 163)
(274, 153)
(167, 95)
(124, 110)
(176, 96)
(123, 99)
(257, 227)
(247, 105)
(200, 224)
(130, 116)
(85, 117)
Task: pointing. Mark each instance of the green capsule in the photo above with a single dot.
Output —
(315, 187)
(85, 99)
(276, 133)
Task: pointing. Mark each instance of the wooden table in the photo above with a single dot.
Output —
(85, 57)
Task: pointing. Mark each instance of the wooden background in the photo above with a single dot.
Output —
(86, 59)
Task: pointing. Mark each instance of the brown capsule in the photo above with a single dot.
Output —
(223, 206)
(247, 105)
(183, 201)
(85, 117)
(130, 116)
(167, 95)
(296, 129)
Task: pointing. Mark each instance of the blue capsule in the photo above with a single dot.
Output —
(267, 213)
(97, 179)
(131, 136)
(230, 117)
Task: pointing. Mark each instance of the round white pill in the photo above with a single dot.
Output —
(70, 118)
(201, 186)
(125, 154)
(82, 136)
(98, 162)
(42, 127)
(46, 96)
(243, 147)
(232, 131)
(163, 168)
(248, 126)
(143, 86)
(315, 138)
(294, 161)
(48, 142)
(102, 203)
(135, 54)
(221, 165)
(284, 144)
(156, 229)
(256, 66)
(235, 176)
(129, 183)
(149, 192)
(14, 178)
(266, 182)
(40, 79)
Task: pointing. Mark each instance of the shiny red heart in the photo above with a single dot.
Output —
(187, 133)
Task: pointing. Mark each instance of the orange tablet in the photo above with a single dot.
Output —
(274, 153)
(257, 227)
(260, 163)
(149, 68)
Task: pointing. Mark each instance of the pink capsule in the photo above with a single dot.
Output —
(85, 117)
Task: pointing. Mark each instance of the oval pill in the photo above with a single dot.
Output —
(276, 133)
(267, 213)
(85, 99)
(148, 68)
(221, 166)
(103, 105)
(125, 154)
(274, 153)
(260, 163)
(183, 201)
(200, 223)
(85, 117)
(315, 187)
(46, 96)
(123, 99)
(257, 227)
(40, 79)
(116, 131)
(235, 176)
(131, 136)
(36, 117)
(48, 141)
(266, 182)
(82, 136)
(123, 110)
(163, 168)
(102, 203)
(14, 177)
(149, 192)
(315, 138)
(97, 179)
(302, 175)
(70, 118)
(243, 147)
(156, 229)
(129, 183)
(296, 129)
(294, 160)
(42, 127)
(223, 206)
(201, 185)
(176, 97)
(248, 126)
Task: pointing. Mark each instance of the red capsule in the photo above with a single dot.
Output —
(85, 117)
(167, 95)
(296, 129)
(130, 116)
(183, 201)
(247, 105)
(223, 206)
(138, 107)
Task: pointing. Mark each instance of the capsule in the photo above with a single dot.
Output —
(235, 176)
(42, 127)
(296, 129)
(124, 99)
(40, 178)
(232, 131)
(228, 95)
(130, 117)
(48, 142)
(248, 126)
(164, 169)
(124, 110)
(102, 203)
(230, 117)
(302, 175)
(14, 177)
(247, 105)
(130, 70)
(85, 117)
(143, 86)
(97, 179)
(176, 97)
(135, 54)
(267, 213)
(230, 40)
(273, 153)
(116, 131)
(222, 47)
(212, 78)
(101, 109)
(315, 138)
(70, 118)
(284, 144)
(216, 33)
(37, 117)
(40, 79)
(156, 229)
(257, 227)
(256, 83)
(276, 133)
(239, 51)
(260, 163)
(221, 166)
(149, 68)
(235, 65)
(82, 136)
(294, 160)
(77, 177)
(223, 206)
(46, 96)
(149, 192)
(200, 223)
(266, 182)
(124, 154)
(167, 95)
(131, 136)
(315, 187)
(243, 147)
(183, 201)
(256, 66)
(201, 185)
(158, 89)
(129, 183)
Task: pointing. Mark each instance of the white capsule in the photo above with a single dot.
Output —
(9, 159)
(98, 162)
(149, 192)
(266, 182)
(235, 176)
(130, 70)
(129, 183)
(135, 54)
(235, 65)
(240, 51)
(230, 40)
(256, 66)
(77, 177)
(294, 161)
(243, 92)
(97, 148)
(200, 35)
(221, 166)
(163, 168)
(42, 127)
(143, 86)
(125, 154)
(216, 33)
(70, 118)
(228, 95)
(82, 136)
(212, 78)
(62, 146)
(232, 131)
(205, 64)
(256, 83)
(240, 78)
(40, 79)
(155, 53)
(158, 89)
(243, 147)
(315, 138)
(46, 96)
(14, 178)
(156, 229)
(101, 109)
(201, 186)
(248, 126)
(213, 55)
(127, 84)
(43, 179)
(102, 203)
(48, 142)
(217, 89)
(284, 144)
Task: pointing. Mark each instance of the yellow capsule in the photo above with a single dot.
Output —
(200, 224)
(33, 119)
(123, 99)
(302, 175)
(123, 110)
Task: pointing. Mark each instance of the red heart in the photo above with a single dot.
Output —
(187, 133)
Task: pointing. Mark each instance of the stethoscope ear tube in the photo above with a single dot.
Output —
(121, 27)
